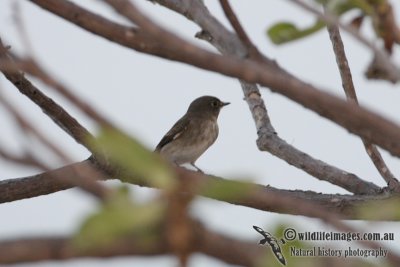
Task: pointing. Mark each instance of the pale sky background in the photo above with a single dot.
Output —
(145, 95)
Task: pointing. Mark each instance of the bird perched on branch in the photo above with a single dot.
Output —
(192, 134)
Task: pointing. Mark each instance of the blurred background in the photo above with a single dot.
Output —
(145, 95)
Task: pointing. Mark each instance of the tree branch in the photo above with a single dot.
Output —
(263, 198)
(348, 86)
(75, 173)
(382, 59)
(241, 33)
(54, 111)
(267, 136)
(70, 125)
(227, 43)
(61, 248)
(222, 247)
(46, 183)
(253, 72)
(357, 120)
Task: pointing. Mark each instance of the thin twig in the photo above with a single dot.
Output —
(348, 86)
(86, 182)
(251, 70)
(33, 68)
(56, 113)
(132, 13)
(21, 28)
(129, 10)
(382, 58)
(228, 44)
(357, 120)
(268, 140)
(27, 127)
(233, 19)
(26, 159)
(255, 54)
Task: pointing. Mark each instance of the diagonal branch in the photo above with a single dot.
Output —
(30, 188)
(46, 183)
(265, 197)
(348, 86)
(210, 243)
(27, 127)
(355, 119)
(241, 33)
(26, 159)
(382, 58)
(225, 248)
(54, 111)
(63, 119)
(229, 44)
(268, 140)
(36, 249)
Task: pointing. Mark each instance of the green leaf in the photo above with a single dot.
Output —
(119, 218)
(284, 32)
(134, 159)
(387, 209)
(339, 7)
(227, 190)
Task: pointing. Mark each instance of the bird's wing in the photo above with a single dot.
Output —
(179, 127)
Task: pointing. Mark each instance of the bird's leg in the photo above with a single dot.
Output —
(197, 168)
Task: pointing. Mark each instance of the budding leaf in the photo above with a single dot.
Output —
(135, 161)
(117, 219)
(284, 32)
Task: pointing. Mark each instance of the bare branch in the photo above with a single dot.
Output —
(48, 106)
(128, 10)
(27, 127)
(33, 68)
(264, 198)
(241, 33)
(222, 247)
(268, 140)
(382, 59)
(348, 86)
(357, 120)
(82, 177)
(45, 183)
(155, 40)
(25, 159)
(267, 136)
(36, 249)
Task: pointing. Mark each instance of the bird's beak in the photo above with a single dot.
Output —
(224, 104)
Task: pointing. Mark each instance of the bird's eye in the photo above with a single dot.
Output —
(214, 104)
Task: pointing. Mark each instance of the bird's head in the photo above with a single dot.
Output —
(206, 105)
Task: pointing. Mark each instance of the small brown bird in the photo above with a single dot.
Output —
(192, 134)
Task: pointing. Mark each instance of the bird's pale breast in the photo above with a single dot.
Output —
(193, 142)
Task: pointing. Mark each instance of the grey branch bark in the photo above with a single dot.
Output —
(348, 86)
(222, 247)
(357, 120)
(268, 140)
(46, 183)
(54, 111)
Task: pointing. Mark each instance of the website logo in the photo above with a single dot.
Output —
(273, 242)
